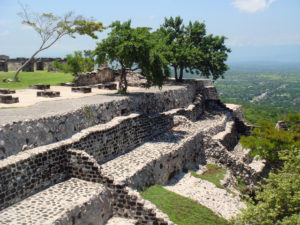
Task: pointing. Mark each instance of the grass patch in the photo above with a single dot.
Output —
(214, 174)
(30, 78)
(181, 210)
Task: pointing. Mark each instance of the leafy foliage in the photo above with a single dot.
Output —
(189, 48)
(267, 142)
(132, 49)
(77, 63)
(51, 28)
(279, 202)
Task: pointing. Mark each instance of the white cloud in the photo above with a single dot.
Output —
(252, 6)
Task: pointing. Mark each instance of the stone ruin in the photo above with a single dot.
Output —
(87, 166)
(35, 64)
(101, 75)
(3, 63)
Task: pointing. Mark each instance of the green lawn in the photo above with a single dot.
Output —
(214, 174)
(181, 210)
(29, 78)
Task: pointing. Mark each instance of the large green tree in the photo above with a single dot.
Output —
(133, 49)
(51, 28)
(188, 48)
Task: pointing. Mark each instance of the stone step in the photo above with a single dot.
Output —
(121, 221)
(157, 159)
(71, 202)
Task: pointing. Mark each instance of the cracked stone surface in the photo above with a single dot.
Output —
(56, 204)
(207, 194)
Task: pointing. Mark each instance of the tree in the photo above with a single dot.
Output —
(267, 142)
(52, 28)
(133, 49)
(189, 48)
(279, 200)
(77, 63)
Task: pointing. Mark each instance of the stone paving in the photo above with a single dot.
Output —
(52, 204)
(121, 221)
(67, 102)
(207, 194)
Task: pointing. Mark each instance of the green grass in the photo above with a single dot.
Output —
(214, 174)
(30, 78)
(181, 210)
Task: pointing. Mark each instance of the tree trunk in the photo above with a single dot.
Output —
(123, 81)
(20, 68)
(181, 74)
(175, 71)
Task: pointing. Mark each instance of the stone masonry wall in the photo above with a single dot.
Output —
(32, 170)
(51, 129)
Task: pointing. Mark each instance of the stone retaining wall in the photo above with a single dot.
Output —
(32, 170)
(22, 135)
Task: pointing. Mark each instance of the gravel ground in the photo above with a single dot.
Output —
(207, 194)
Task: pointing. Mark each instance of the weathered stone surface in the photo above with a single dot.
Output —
(7, 91)
(101, 75)
(82, 89)
(40, 86)
(8, 99)
(73, 202)
(109, 86)
(49, 94)
(49, 129)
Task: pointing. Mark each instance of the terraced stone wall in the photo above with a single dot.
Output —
(23, 135)
(32, 170)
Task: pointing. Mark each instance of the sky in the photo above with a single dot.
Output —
(256, 30)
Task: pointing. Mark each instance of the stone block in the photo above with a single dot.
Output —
(109, 86)
(50, 94)
(7, 91)
(82, 89)
(40, 86)
(8, 99)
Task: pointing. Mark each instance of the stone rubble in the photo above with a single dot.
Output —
(207, 194)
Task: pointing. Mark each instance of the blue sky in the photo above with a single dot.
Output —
(257, 30)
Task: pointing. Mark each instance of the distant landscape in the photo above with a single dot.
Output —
(267, 91)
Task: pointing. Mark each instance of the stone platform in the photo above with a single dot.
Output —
(71, 202)
(8, 99)
(49, 94)
(82, 89)
(40, 86)
(7, 91)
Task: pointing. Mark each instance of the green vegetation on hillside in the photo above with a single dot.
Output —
(181, 210)
(278, 199)
(214, 174)
(30, 78)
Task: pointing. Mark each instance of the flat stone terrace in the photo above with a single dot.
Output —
(52, 108)
(137, 167)
(55, 204)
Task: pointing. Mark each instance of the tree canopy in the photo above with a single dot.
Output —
(51, 28)
(189, 48)
(133, 49)
(77, 63)
(278, 199)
